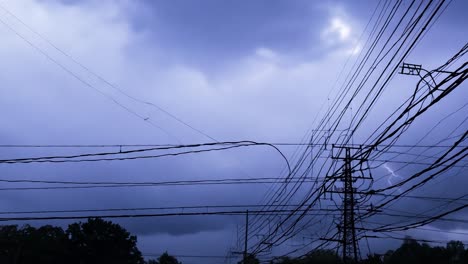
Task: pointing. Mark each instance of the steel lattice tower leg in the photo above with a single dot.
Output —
(350, 247)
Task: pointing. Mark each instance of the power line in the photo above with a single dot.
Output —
(181, 182)
(404, 51)
(218, 213)
(86, 83)
(187, 207)
(72, 158)
(165, 184)
(191, 256)
(410, 237)
(420, 223)
(97, 76)
(419, 228)
(219, 142)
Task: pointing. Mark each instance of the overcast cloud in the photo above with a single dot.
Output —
(253, 70)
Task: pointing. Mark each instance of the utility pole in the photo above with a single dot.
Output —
(244, 253)
(350, 247)
(347, 229)
(246, 235)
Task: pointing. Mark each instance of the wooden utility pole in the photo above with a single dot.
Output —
(246, 235)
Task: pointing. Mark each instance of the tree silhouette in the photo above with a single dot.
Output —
(167, 259)
(45, 245)
(250, 259)
(410, 252)
(456, 252)
(93, 242)
(98, 241)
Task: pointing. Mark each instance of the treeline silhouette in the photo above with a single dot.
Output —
(94, 242)
(410, 252)
(98, 241)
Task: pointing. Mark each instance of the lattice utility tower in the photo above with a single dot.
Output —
(348, 240)
(350, 246)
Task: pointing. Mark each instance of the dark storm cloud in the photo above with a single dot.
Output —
(210, 31)
(272, 85)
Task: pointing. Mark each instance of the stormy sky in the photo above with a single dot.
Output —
(82, 72)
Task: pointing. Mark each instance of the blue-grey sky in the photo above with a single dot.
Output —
(257, 70)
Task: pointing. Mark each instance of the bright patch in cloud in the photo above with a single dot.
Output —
(266, 53)
(338, 31)
(340, 28)
(341, 32)
(354, 50)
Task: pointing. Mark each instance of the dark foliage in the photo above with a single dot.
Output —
(410, 252)
(95, 241)
(98, 241)
(167, 259)
(250, 259)
(316, 257)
